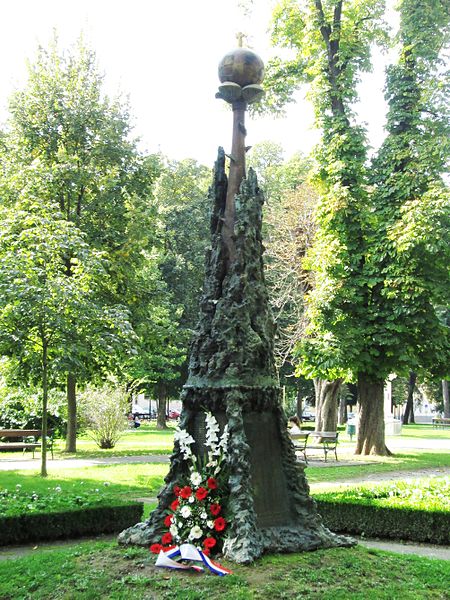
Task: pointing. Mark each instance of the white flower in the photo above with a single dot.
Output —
(217, 470)
(212, 463)
(223, 444)
(184, 440)
(210, 524)
(196, 479)
(204, 516)
(185, 512)
(173, 530)
(195, 533)
(191, 499)
(212, 429)
(57, 488)
(18, 486)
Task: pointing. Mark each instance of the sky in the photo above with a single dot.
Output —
(163, 55)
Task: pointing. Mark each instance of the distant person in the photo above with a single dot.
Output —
(294, 424)
(133, 421)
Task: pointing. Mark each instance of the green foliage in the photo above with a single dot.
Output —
(89, 519)
(104, 410)
(380, 256)
(361, 517)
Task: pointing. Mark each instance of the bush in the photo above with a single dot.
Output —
(91, 520)
(417, 511)
(104, 410)
(22, 409)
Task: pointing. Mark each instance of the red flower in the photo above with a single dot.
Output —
(155, 548)
(215, 509)
(176, 490)
(212, 483)
(166, 538)
(201, 493)
(220, 524)
(206, 551)
(186, 492)
(209, 542)
(168, 520)
(175, 504)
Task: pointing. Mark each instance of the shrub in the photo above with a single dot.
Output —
(417, 511)
(104, 410)
(90, 520)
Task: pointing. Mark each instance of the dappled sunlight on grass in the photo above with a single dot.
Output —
(143, 479)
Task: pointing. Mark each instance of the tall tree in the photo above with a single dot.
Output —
(183, 236)
(94, 176)
(355, 330)
(45, 316)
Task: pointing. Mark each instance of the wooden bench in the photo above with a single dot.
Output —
(315, 440)
(440, 422)
(28, 437)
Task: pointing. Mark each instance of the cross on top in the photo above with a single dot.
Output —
(240, 38)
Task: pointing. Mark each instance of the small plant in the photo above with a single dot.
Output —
(104, 411)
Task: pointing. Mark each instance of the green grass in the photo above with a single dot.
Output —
(93, 570)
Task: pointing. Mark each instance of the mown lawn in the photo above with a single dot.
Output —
(92, 570)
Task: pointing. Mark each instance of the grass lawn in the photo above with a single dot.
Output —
(92, 570)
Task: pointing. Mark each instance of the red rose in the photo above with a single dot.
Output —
(175, 504)
(209, 542)
(168, 520)
(201, 493)
(215, 509)
(176, 490)
(206, 551)
(220, 524)
(166, 538)
(186, 492)
(155, 548)
(212, 483)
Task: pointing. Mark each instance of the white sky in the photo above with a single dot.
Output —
(164, 55)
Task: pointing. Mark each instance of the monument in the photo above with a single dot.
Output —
(232, 372)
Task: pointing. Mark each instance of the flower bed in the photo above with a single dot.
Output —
(28, 516)
(418, 511)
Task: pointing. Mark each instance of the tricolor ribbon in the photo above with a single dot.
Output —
(188, 552)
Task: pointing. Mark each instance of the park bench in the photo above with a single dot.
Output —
(325, 441)
(440, 422)
(28, 440)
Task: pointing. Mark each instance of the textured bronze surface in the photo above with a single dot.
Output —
(241, 66)
(270, 493)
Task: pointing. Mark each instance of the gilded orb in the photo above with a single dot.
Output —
(241, 66)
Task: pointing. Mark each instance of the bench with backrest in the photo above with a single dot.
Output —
(28, 440)
(315, 440)
(440, 422)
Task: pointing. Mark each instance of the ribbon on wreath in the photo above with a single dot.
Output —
(191, 553)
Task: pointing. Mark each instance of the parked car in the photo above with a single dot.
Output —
(308, 416)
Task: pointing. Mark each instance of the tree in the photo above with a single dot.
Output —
(45, 316)
(362, 259)
(182, 200)
(79, 140)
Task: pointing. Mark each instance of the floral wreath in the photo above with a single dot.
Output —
(197, 513)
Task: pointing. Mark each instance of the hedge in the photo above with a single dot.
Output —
(385, 522)
(69, 524)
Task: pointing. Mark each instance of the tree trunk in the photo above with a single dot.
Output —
(370, 431)
(71, 436)
(408, 416)
(342, 412)
(299, 404)
(44, 410)
(162, 405)
(446, 398)
(326, 403)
